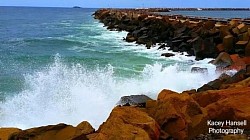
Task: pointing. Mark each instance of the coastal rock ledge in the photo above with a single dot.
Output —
(180, 116)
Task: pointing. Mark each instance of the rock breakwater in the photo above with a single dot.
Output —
(199, 37)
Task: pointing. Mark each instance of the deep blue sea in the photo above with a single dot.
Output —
(61, 65)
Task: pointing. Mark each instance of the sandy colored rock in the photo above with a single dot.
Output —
(127, 123)
(243, 43)
(6, 132)
(234, 23)
(242, 28)
(236, 30)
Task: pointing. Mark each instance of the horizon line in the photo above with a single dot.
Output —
(123, 7)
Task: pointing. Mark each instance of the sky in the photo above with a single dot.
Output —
(130, 3)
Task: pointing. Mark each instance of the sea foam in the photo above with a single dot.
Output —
(62, 93)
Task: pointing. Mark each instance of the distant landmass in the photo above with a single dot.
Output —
(77, 7)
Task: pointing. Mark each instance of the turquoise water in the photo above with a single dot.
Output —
(61, 65)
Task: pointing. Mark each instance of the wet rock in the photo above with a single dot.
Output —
(143, 40)
(198, 69)
(149, 44)
(239, 76)
(134, 100)
(212, 85)
(163, 47)
(167, 54)
(128, 123)
(223, 77)
(205, 87)
(130, 38)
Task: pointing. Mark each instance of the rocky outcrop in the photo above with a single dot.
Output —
(55, 132)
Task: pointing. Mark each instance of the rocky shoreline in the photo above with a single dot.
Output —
(172, 115)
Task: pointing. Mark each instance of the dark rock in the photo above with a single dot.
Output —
(167, 54)
(205, 87)
(223, 77)
(149, 45)
(163, 47)
(143, 40)
(130, 38)
(198, 69)
(212, 85)
(134, 100)
(209, 24)
(239, 76)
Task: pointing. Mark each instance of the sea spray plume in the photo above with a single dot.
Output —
(73, 93)
(59, 93)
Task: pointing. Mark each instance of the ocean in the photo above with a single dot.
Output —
(60, 65)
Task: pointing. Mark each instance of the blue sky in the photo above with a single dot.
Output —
(129, 3)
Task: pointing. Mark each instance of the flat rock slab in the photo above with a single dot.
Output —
(134, 100)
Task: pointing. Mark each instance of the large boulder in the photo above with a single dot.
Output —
(127, 123)
(178, 115)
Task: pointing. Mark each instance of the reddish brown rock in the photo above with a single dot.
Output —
(220, 48)
(127, 123)
(5, 133)
(178, 115)
(232, 107)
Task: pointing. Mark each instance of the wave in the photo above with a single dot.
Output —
(71, 94)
